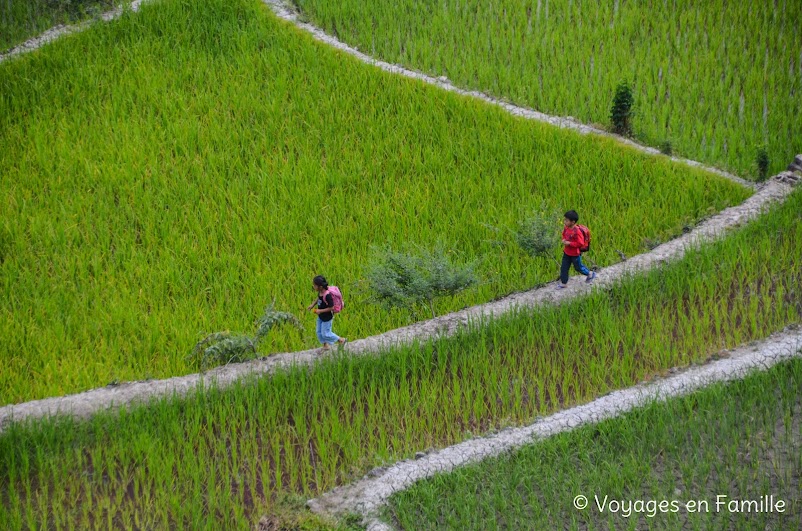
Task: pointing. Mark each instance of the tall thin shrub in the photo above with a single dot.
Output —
(763, 162)
(621, 112)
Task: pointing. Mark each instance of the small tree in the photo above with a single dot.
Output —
(762, 163)
(222, 348)
(416, 276)
(621, 112)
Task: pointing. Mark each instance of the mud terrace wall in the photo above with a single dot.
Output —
(369, 494)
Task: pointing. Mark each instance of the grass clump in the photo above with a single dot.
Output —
(406, 279)
(538, 234)
(222, 348)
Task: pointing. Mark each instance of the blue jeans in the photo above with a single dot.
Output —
(576, 261)
(324, 333)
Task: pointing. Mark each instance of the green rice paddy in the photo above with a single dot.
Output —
(223, 458)
(168, 174)
(22, 19)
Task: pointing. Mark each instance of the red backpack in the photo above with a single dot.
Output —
(337, 297)
(586, 235)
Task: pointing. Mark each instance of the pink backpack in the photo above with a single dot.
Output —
(338, 298)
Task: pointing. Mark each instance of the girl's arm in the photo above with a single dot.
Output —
(328, 300)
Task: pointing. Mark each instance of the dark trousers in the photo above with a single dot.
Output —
(576, 261)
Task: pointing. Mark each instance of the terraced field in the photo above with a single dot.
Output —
(225, 458)
(22, 19)
(167, 174)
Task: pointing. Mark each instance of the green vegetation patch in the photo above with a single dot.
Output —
(727, 457)
(168, 174)
(219, 458)
(713, 80)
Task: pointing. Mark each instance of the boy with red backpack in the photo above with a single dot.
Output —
(329, 301)
(576, 239)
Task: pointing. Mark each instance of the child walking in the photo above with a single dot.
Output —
(325, 313)
(573, 240)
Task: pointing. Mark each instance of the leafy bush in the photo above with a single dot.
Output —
(222, 348)
(537, 234)
(416, 276)
(272, 317)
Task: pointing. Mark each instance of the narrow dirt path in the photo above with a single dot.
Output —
(369, 494)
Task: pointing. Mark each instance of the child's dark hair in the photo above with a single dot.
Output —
(571, 215)
(320, 280)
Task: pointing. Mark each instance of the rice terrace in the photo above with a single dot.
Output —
(423, 264)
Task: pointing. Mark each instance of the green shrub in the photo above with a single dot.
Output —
(538, 234)
(621, 112)
(416, 276)
(222, 348)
